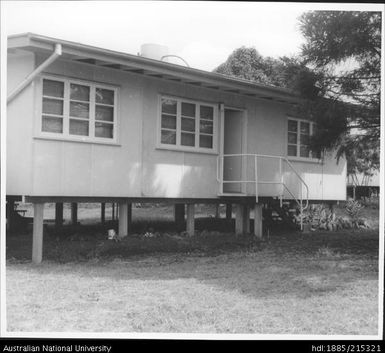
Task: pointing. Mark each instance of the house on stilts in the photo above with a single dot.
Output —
(86, 124)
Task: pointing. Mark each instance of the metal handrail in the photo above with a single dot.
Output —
(300, 204)
(281, 158)
(300, 178)
(281, 182)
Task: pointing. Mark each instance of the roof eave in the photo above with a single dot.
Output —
(34, 42)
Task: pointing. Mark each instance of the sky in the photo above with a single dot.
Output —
(203, 33)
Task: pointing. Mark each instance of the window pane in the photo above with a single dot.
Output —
(53, 88)
(304, 139)
(105, 96)
(50, 124)
(292, 125)
(292, 137)
(78, 127)
(188, 124)
(80, 110)
(187, 139)
(188, 109)
(168, 106)
(305, 128)
(206, 112)
(304, 151)
(104, 130)
(79, 92)
(168, 137)
(52, 106)
(104, 113)
(205, 141)
(206, 126)
(169, 122)
(291, 150)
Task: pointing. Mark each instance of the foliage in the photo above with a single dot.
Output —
(247, 63)
(361, 160)
(337, 74)
(321, 217)
(353, 209)
(344, 49)
(331, 122)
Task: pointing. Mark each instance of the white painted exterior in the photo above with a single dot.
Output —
(135, 165)
(364, 180)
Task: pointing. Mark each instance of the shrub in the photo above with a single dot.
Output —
(321, 217)
(353, 208)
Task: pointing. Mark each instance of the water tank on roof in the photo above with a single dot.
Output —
(153, 51)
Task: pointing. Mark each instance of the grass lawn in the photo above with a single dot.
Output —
(317, 283)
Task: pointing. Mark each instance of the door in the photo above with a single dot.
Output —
(233, 143)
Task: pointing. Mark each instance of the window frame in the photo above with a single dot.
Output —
(178, 146)
(65, 135)
(298, 144)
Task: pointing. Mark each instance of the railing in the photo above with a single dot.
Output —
(299, 200)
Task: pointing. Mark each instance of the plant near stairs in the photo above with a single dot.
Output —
(320, 217)
(354, 209)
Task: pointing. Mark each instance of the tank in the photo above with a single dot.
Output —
(154, 51)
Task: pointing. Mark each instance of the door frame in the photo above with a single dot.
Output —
(244, 123)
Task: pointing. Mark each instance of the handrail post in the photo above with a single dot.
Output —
(218, 169)
(301, 216)
(281, 179)
(218, 173)
(256, 177)
(302, 207)
(222, 165)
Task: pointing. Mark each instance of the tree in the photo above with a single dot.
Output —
(362, 161)
(248, 64)
(285, 72)
(337, 75)
(344, 50)
(290, 73)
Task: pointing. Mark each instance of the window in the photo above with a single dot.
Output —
(298, 139)
(53, 106)
(76, 109)
(187, 125)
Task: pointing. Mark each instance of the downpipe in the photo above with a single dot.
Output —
(57, 52)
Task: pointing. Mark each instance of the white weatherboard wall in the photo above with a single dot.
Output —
(19, 125)
(363, 180)
(134, 167)
(90, 169)
(327, 180)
